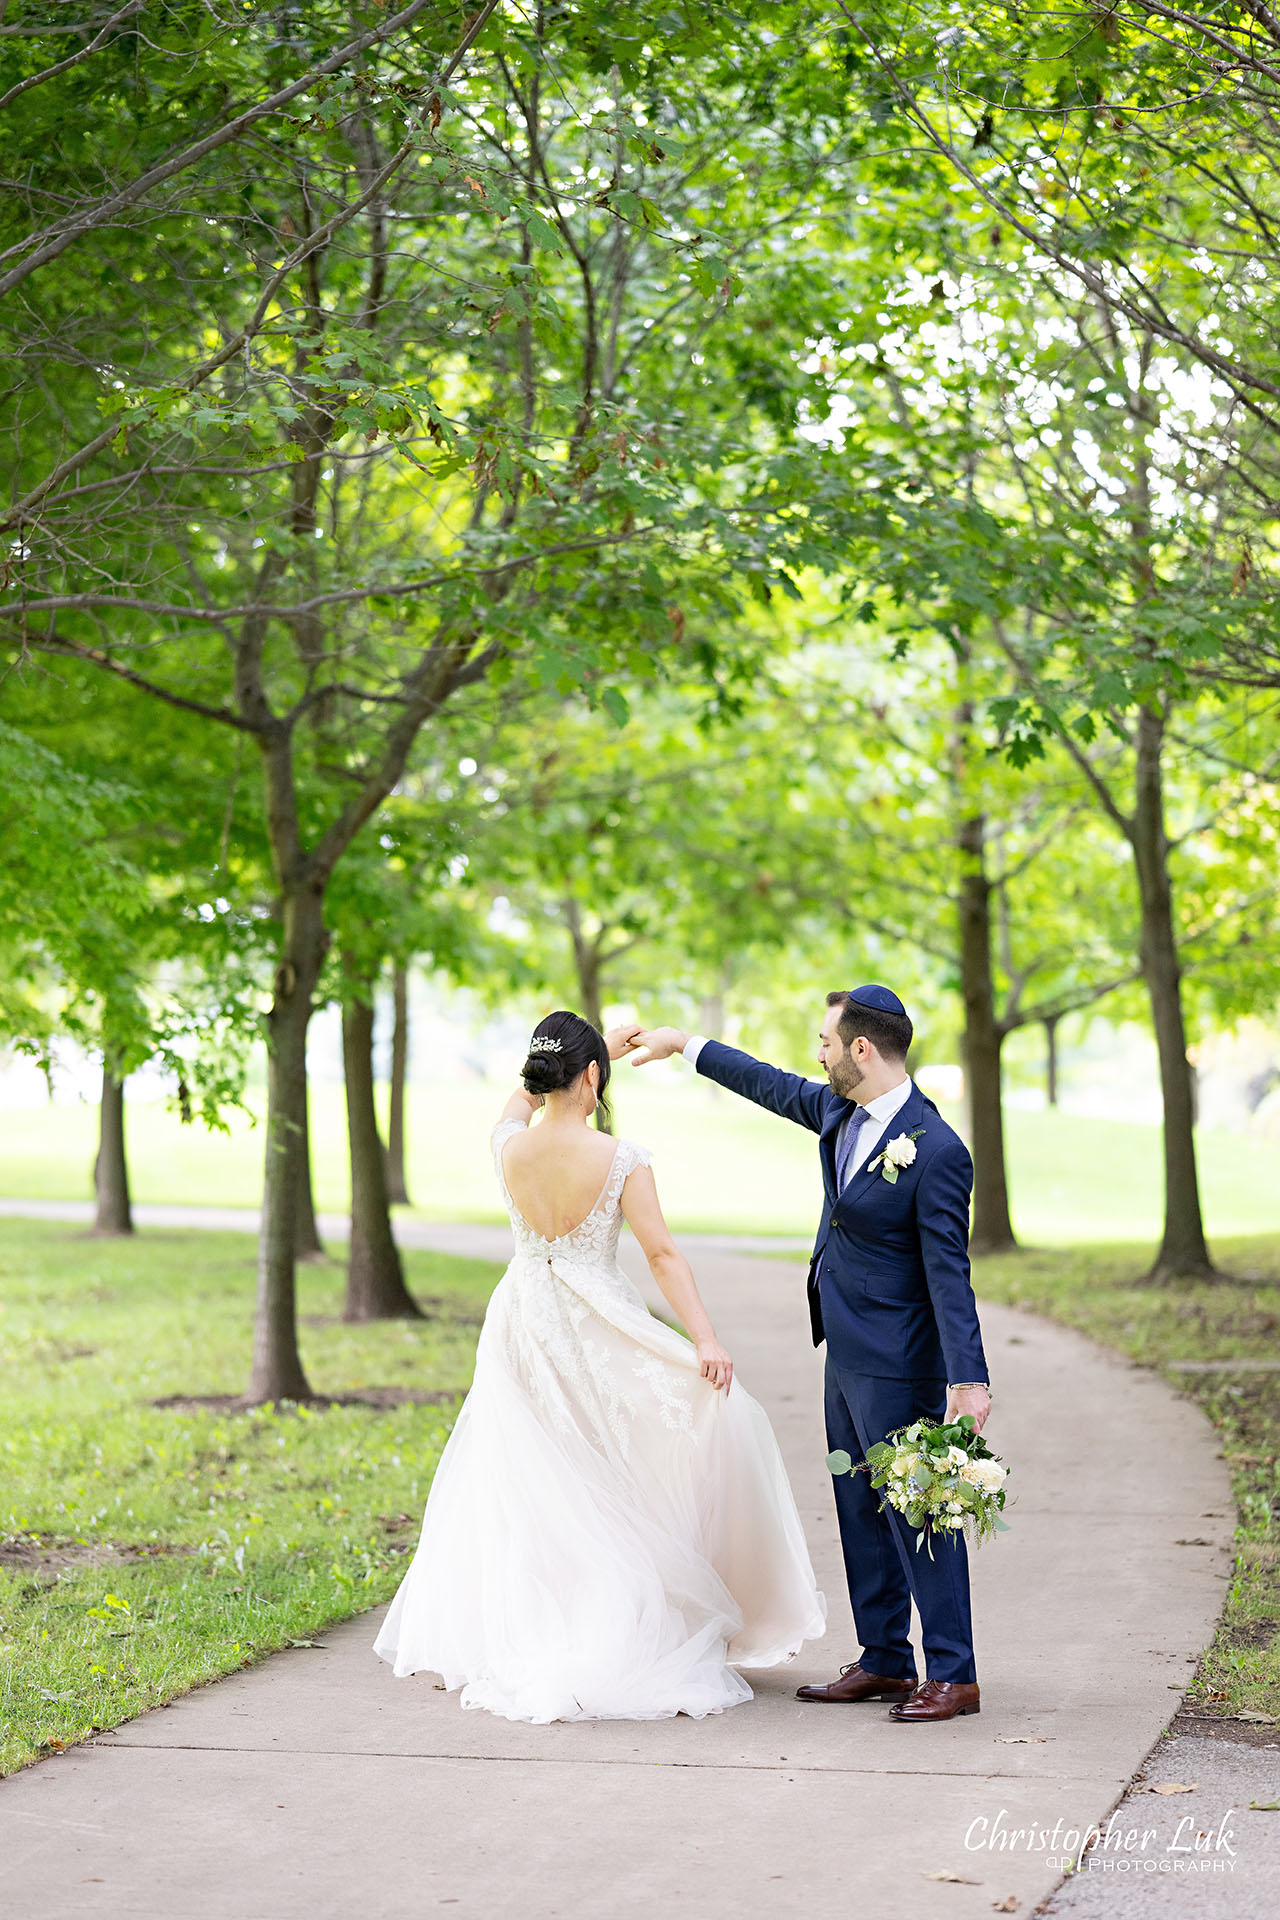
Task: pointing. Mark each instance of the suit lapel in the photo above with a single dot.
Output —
(909, 1116)
(827, 1143)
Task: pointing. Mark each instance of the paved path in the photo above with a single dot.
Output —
(485, 1242)
(392, 1802)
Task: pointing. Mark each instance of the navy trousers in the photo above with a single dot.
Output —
(883, 1568)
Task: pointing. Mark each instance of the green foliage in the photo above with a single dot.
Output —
(534, 440)
(60, 874)
(114, 911)
(638, 854)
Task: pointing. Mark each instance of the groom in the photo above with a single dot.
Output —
(889, 1291)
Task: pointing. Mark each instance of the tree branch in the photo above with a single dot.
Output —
(73, 59)
(54, 241)
(96, 657)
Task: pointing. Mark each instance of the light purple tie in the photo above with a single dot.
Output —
(844, 1153)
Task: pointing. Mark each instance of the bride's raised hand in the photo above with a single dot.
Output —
(623, 1039)
(657, 1043)
(714, 1364)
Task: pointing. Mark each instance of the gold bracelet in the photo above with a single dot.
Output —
(969, 1386)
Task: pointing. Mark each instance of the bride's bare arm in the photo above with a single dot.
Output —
(643, 1213)
(521, 1106)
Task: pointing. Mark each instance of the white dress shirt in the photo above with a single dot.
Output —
(881, 1111)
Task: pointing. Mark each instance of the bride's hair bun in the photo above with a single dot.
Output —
(545, 1073)
(563, 1046)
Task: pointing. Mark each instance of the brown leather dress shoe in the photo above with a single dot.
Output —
(938, 1700)
(856, 1684)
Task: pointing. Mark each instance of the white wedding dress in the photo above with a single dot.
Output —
(607, 1536)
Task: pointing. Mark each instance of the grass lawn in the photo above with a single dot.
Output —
(1101, 1291)
(145, 1549)
(721, 1163)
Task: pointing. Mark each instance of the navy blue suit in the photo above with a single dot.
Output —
(889, 1292)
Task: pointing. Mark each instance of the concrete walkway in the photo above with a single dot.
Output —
(392, 1802)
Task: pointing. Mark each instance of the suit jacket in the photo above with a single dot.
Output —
(889, 1278)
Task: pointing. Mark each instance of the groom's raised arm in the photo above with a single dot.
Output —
(789, 1095)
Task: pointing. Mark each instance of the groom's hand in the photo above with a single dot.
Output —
(974, 1400)
(658, 1043)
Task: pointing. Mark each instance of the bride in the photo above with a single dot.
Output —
(611, 1533)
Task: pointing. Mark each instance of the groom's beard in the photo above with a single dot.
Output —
(845, 1077)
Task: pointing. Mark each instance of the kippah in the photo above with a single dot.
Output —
(878, 997)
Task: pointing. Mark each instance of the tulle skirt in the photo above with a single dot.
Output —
(607, 1537)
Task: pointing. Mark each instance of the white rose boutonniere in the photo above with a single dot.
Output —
(899, 1153)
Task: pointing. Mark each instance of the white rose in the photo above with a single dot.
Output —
(991, 1475)
(903, 1464)
(900, 1152)
(957, 1457)
(947, 1520)
(972, 1472)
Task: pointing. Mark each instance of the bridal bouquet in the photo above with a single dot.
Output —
(942, 1479)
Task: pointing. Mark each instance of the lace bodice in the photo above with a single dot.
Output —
(596, 1237)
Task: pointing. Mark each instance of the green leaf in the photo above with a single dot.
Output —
(840, 1461)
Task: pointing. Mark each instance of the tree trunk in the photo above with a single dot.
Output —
(992, 1229)
(1051, 1059)
(308, 1245)
(113, 1214)
(586, 960)
(711, 1016)
(397, 1186)
(375, 1277)
(277, 1364)
(1184, 1252)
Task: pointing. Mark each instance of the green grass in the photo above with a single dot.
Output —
(1101, 1291)
(721, 1163)
(144, 1550)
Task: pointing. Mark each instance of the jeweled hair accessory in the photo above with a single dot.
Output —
(543, 1043)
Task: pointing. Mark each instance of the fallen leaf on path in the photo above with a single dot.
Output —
(1174, 1786)
(1197, 1542)
(1021, 1740)
(945, 1873)
(1005, 1906)
(1259, 1719)
(1264, 1806)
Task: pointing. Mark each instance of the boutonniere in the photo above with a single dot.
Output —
(899, 1153)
